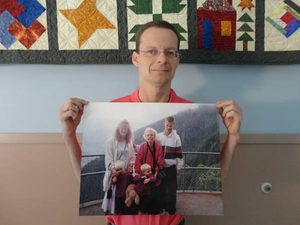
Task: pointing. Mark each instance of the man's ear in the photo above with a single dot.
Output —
(135, 59)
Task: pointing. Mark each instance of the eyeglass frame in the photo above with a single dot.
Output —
(159, 52)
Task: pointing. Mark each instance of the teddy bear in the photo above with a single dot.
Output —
(131, 195)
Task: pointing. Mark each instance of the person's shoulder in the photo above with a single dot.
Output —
(175, 133)
(174, 98)
(160, 134)
(122, 99)
(110, 140)
(157, 143)
(143, 144)
(134, 97)
(178, 99)
(128, 174)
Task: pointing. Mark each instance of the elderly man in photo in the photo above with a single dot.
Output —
(157, 58)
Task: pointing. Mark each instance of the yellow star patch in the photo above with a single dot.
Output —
(87, 19)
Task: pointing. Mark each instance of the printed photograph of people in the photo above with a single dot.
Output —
(151, 158)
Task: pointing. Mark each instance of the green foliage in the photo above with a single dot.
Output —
(141, 6)
(172, 6)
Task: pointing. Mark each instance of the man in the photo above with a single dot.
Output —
(173, 162)
(156, 56)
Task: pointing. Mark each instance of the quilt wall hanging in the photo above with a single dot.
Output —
(103, 31)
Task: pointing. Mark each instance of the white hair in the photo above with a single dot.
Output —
(119, 164)
(150, 129)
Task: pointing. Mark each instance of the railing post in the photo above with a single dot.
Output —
(184, 160)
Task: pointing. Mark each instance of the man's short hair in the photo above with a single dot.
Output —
(157, 24)
(170, 119)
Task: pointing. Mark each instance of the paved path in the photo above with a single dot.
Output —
(187, 204)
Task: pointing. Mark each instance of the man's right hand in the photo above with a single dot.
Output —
(70, 115)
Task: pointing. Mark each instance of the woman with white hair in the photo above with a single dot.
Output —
(150, 152)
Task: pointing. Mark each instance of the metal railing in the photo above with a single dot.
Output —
(190, 178)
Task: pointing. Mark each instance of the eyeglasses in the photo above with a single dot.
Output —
(170, 54)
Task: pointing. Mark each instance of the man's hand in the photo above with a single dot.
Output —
(232, 116)
(70, 114)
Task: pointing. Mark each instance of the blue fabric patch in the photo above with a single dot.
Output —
(292, 27)
(6, 39)
(33, 9)
(206, 34)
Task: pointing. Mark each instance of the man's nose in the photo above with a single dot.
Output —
(161, 58)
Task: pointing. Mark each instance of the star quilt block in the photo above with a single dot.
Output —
(87, 24)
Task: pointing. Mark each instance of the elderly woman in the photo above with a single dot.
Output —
(118, 147)
(148, 151)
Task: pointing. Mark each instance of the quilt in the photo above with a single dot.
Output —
(103, 31)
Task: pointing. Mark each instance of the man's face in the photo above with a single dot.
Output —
(169, 127)
(156, 71)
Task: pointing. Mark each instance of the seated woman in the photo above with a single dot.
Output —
(150, 152)
(118, 147)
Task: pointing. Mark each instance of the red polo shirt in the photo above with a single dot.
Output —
(147, 219)
(134, 97)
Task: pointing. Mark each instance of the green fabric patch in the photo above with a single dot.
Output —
(157, 16)
(134, 30)
(245, 37)
(245, 18)
(172, 6)
(171, 148)
(245, 27)
(279, 28)
(141, 6)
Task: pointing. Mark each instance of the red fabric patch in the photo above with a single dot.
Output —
(26, 36)
(12, 6)
(218, 42)
(287, 18)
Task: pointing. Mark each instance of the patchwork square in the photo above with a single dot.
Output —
(140, 12)
(282, 25)
(287, 17)
(23, 25)
(87, 24)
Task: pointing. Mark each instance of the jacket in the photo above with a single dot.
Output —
(111, 157)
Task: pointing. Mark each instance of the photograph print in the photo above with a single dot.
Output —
(150, 158)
